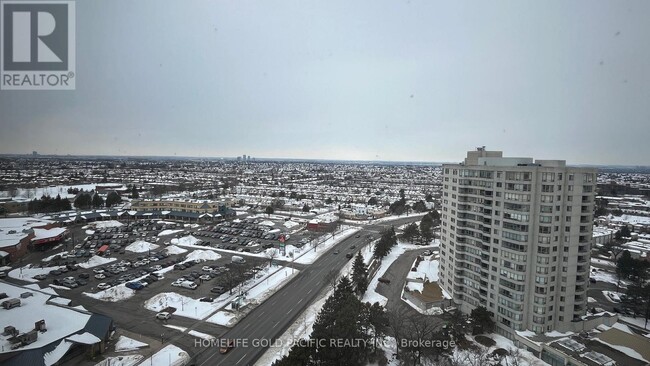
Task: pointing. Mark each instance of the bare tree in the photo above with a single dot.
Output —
(397, 323)
(271, 254)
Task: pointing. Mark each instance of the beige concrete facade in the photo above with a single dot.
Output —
(516, 237)
(188, 205)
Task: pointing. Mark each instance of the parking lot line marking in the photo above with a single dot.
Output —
(299, 301)
(289, 311)
(309, 292)
(275, 325)
(242, 357)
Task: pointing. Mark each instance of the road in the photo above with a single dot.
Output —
(270, 319)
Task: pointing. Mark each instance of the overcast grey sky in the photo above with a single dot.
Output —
(368, 80)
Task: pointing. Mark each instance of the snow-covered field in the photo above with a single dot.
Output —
(125, 344)
(141, 246)
(168, 356)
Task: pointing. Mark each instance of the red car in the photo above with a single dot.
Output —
(226, 346)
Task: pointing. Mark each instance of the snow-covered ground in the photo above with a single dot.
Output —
(28, 272)
(96, 261)
(125, 344)
(603, 262)
(168, 356)
(141, 246)
(185, 306)
(401, 247)
(225, 318)
(604, 277)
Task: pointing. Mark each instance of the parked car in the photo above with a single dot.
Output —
(163, 315)
(206, 299)
(134, 285)
(218, 289)
(37, 277)
(103, 286)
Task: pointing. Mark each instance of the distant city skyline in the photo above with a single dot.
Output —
(367, 81)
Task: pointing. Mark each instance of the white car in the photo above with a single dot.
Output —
(206, 269)
(98, 270)
(103, 286)
(164, 315)
(177, 283)
(100, 276)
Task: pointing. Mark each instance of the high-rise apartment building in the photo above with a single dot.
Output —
(516, 239)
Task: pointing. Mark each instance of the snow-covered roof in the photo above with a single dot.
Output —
(40, 234)
(12, 229)
(59, 321)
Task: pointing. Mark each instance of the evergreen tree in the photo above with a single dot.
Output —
(481, 320)
(83, 201)
(134, 192)
(411, 232)
(378, 321)
(359, 275)
(426, 228)
(306, 208)
(340, 322)
(97, 201)
(386, 243)
(113, 198)
(269, 210)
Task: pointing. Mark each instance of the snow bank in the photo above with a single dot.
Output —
(202, 255)
(125, 344)
(186, 240)
(173, 249)
(96, 261)
(141, 246)
(169, 232)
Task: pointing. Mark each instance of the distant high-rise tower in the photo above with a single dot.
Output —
(516, 237)
(34, 153)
